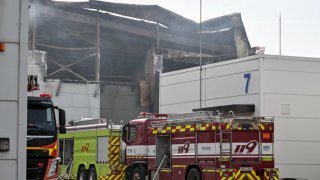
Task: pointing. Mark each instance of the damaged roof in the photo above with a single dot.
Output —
(68, 32)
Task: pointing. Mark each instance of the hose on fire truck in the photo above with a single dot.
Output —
(160, 165)
(66, 171)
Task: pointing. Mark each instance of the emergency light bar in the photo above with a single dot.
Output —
(48, 95)
(146, 114)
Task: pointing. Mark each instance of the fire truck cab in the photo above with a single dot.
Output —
(201, 145)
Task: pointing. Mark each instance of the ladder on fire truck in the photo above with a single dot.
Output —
(224, 134)
(225, 141)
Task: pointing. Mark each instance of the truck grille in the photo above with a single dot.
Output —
(36, 169)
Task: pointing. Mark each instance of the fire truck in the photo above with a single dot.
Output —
(42, 130)
(200, 145)
(91, 149)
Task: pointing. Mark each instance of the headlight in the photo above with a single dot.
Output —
(53, 167)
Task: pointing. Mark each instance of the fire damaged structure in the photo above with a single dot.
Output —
(123, 47)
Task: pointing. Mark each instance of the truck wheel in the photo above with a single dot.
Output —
(194, 174)
(137, 173)
(92, 174)
(82, 174)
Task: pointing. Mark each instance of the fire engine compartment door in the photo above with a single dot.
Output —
(163, 148)
(66, 150)
(102, 149)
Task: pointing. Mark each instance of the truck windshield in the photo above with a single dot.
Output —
(41, 121)
(129, 132)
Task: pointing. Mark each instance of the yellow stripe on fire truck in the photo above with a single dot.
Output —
(134, 157)
(227, 174)
(265, 126)
(204, 127)
(267, 177)
(182, 128)
(114, 160)
(239, 175)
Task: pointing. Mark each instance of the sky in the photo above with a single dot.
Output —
(300, 20)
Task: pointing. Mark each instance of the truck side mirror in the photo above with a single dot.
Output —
(62, 121)
(125, 133)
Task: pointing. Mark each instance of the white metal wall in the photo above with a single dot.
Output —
(13, 83)
(77, 99)
(222, 83)
(179, 90)
(292, 95)
(287, 88)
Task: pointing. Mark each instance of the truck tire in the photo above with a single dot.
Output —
(137, 173)
(82, 174)
(92, 174)
(194, 174)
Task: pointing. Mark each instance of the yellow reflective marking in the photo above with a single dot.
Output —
(242, 176)
(40, 148)
(117, 150)
(261, 126)
(114, 141)
(112, 176)
(118, 177)
(213, 127)
(255, 175)
(210, 170)
(188, 126)
(267, 158)
(165, 170)
(237, 174)
(224, 159)
(179, 166)
(50, 151)
(250, 176)
(113, 148)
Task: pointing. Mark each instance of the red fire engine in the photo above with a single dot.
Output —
(200, 145)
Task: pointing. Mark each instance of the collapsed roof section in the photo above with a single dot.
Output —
(111, 44)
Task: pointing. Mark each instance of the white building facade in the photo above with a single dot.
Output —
(77, 99)
(13, 88)
(287, 88)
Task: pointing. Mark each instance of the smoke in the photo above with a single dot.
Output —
(35, 10)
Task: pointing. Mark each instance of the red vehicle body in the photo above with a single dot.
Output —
(199, 146)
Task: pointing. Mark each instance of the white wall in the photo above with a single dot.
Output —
(287, 88)
(292, 95)
(222, 83)
(77, 99)
(178, 89)
(13, 84)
